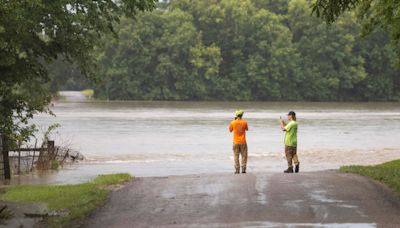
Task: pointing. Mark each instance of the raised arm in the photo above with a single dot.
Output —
(283, 124)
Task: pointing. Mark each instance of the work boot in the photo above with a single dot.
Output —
(297, 168)
(289, 170)
(243, 169)
(237, 171)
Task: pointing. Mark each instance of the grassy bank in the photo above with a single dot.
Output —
(77, 200)
(388, 173)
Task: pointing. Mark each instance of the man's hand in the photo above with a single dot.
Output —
(283, 124)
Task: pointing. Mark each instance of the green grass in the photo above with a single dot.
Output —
(79, 200)
(388, 173)
(115, 179)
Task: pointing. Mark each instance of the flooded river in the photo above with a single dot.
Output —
(174, 138)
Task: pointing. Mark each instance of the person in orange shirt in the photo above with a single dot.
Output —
(239, 128)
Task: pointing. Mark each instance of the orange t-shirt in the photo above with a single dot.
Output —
(239, 128)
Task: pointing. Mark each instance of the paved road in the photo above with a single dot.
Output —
(323, 199)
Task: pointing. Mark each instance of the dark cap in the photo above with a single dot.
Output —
(291, 113)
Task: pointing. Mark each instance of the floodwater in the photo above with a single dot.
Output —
(173, 138)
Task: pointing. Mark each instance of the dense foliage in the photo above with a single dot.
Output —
(36, 32)
(246, 50)
(373, 15)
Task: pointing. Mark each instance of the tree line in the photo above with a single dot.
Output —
(266, 50)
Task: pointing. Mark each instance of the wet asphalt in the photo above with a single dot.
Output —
(314, 199)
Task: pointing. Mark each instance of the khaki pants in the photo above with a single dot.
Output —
(242, 150)
(291, 155)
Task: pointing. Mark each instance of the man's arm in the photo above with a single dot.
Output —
(230, 127)
(283, 124)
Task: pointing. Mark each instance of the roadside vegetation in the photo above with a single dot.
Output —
(388, 173)
(72, 202)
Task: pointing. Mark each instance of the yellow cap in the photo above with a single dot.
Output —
(239, 112)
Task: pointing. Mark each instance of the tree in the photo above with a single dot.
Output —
(330, 66)
(159, 56)
(35, 33)
(256, 49)
(273, 61)
(382, 81)
(374, 14)
(66, 76)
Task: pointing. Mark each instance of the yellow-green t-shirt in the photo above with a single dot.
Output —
(291, 134)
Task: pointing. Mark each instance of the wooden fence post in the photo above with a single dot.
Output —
(50, 150)
(19, 159)
(6, 160)
(33, 157)
(1, 159)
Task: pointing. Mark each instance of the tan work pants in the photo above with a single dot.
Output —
(291, 155)
(242, 150)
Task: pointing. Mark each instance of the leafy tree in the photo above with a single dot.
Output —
(250, 37)
(374, 14)
(275, 6)
(273, 61)
(34, 33)
(382, 81)
(66, 76)
(331, 67)
(159, 56)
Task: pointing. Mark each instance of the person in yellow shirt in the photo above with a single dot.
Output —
(290, 130)
(239, 127)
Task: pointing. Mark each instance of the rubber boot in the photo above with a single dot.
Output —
(243, 169)
(237, 171)
(297, 168)
(289, 170)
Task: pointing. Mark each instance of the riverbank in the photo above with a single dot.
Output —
(57, 206)
(387, 173)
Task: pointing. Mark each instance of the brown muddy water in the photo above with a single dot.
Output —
(176, 138)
